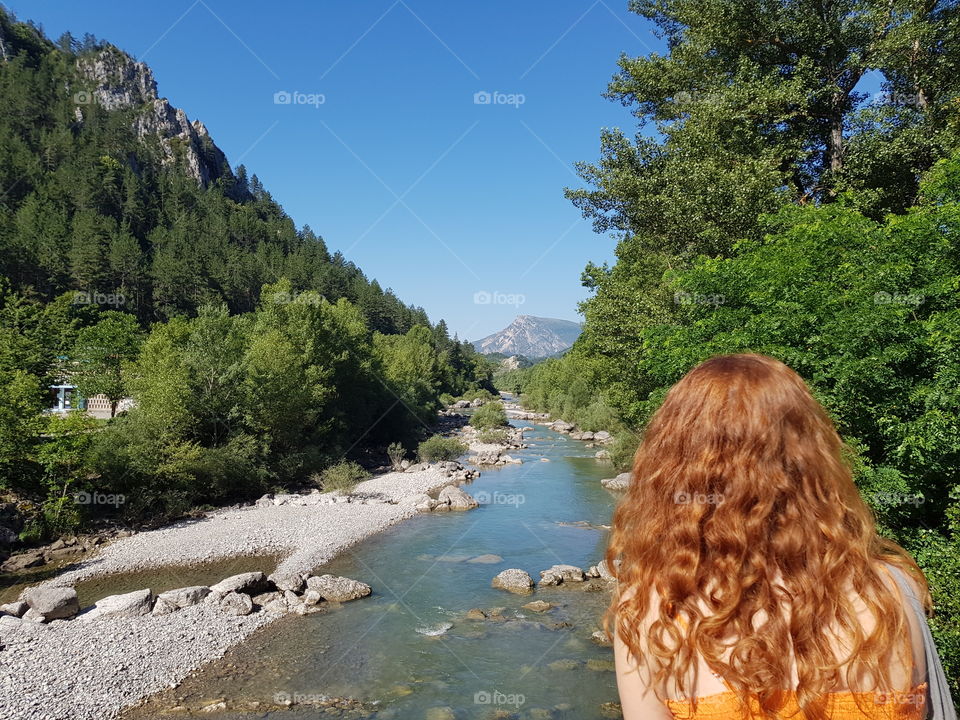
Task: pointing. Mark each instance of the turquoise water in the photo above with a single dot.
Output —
(409, 648)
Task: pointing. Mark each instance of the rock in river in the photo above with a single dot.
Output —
(172, 600)
(52, 603)
(618, 484)
(132, 604)
(514, 580)
(456, 498)
(250, 583)
(561, 574)
(338, 589)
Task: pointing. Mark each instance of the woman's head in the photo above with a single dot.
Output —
(740, 480)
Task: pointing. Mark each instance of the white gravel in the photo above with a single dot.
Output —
(92, 670)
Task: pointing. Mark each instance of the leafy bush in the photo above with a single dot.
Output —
(447, 399)
(343, 476)
(496, 436)
(479, 393)
(491, 415)
(438, 449)
(396, 452)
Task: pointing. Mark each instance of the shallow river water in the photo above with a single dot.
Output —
(408, 651)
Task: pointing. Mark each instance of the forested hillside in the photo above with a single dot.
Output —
(134, 262)
(780, 209)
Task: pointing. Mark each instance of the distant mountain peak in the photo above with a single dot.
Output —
(534, 337)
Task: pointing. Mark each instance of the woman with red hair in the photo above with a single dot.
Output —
(751, 581)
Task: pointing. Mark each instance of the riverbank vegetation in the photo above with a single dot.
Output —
(781, 209)
(237, 353)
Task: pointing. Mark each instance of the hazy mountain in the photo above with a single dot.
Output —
(533, 337)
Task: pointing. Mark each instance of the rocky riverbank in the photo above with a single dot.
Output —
(93, 667)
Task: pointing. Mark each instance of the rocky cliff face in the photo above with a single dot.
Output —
(534, 337)
(121, 83)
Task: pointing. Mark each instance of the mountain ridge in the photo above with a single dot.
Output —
(531, 336)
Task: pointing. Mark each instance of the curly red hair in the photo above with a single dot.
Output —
(741, 479)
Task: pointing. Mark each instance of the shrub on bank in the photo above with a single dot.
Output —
(396, 452)
(440, 449)
(343, 476)
(495, 436)
(491, 415)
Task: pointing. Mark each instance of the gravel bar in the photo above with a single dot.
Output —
(92, 670)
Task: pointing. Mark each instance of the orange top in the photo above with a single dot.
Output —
(840, 706)
(907, 705)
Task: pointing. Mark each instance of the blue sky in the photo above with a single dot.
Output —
(457, 206)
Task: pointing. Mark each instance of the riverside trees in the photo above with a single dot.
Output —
(779, 208)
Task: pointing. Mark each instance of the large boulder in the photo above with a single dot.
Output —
(236, 603)
(618, 484)
(250, 583)
(560, 574)
(173, 600)
(456, 498)
(338, 589)
(602, 436)
(133, 604)
(287, 581)
(52, 603)
(514, 580)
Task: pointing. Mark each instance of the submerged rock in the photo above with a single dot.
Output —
(539, 606)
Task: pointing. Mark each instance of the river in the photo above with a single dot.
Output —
(409, 651)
